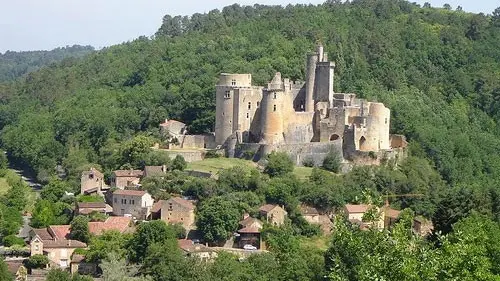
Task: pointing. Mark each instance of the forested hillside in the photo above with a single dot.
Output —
(17, 64)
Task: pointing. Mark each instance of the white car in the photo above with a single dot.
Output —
(249, 247)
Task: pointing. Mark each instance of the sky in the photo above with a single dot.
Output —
(44, 25)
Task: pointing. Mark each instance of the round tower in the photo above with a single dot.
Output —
(225, 103)
(312, 59)
(272, 111)
(379, 127)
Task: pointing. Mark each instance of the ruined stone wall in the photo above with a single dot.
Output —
(197, 141)
(299, 127)
(189, 155)
(324, 82)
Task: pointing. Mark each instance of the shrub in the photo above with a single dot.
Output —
(308, 162)
(179, 163)
(11, 240)
(248, 154)
(36, 261)
(212, 154)
(278, 164)
(332, 161)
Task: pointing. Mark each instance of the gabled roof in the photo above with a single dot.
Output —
(391, 213)
(249, 221)
(91, 205)
(353, 209)
(93, 171)
(60, 231)
(154, 171)
(120, 224)
(128, 173)
(157, 206)
(129, 192)
(13, 266)
(182, 202)
(249, 230)
(268, 207)
(43, 233)
(64, 243)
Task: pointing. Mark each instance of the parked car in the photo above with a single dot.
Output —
(249, 247)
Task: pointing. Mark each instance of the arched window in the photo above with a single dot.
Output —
(362, 144)
(334, 137)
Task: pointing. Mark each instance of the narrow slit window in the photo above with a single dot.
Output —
(249, 105)
(274, 108)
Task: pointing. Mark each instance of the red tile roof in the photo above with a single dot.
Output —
(129, 192)
(356, 208)
(249, 221)
(181, 201)
(64, 243)
(93, 171)
(121, 224)
(128, 173)
(249, 230)
(91, 205)
(13, 266)
(60, 231)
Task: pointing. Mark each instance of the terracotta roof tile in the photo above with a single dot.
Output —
(154, 171)
(43, 233)
(121, 224)
(13, 266)
(249, 221)
(93, 171)
(249, 230)
(356, 208)
(60, 231)
(128, 173)
(129, 192)
(77, 258)
(308, 210)
(157, 206)
(391, 213)
(93, 205)
(64, 243)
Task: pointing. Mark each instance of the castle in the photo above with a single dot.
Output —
(304, 119)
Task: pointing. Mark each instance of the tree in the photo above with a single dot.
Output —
(4, 271)
(179, 163)
(147, 234)
(217, 219)
(79, 229)
(54, 190)
(165, 261)
(278, 164)
(37, 261)
(115, 268)
(108, 242)
(496, 17)
(447, 6)
(332, 161)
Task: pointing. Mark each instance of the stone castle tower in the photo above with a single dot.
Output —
(299, 117)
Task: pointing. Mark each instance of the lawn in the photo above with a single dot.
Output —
(302, 173)
(214, 165)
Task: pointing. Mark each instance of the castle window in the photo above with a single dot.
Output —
(247, 115)
(233, 82)
(385, 120)
(250, 105)
(258, 104)
(227, 95)
(274, 95)
(274, 108)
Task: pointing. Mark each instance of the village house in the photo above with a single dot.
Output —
(313, 216)
(92, 182)
(53, 242)
(136, 203)
(126, 178)
(80, 266)
(86, 208)
(175, 210)
(273, 214)
(422, 226)
(249, 232)
(200, 251)
(155, 171)
(356, 215)
(390, 216)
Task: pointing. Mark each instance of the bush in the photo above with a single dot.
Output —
(248, 154)
(36, 261)
(332, 161)
(278, 164)
(212, 154)
(308, 162)
(179, 163)
(12, 240)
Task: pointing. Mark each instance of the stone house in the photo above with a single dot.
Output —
(120, 224)
(53, 242)
(273, 214)
(422, 226)
(200, 251)
(310, 214)
(137, 203)
(85, 208)
(92, 181)
(356, 213)
(155, 171)
(80, 266)
(175, 210)
(249, 232)
(126, 178)
(390, 216)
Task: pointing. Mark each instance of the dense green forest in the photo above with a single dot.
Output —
(437, 69)
(17, 64)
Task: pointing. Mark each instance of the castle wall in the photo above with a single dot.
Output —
(299, 153)
(379, 127)
(299, 127)
(310, 81)
(197, 141)
(324, 82)
(272, 117)
(247, 112)
(333, 127)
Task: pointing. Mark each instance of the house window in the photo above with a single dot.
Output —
(37, 247)
(249, 105)
(91, 176)
(274, 108)
(131, 201)
(64, 263)
(233, 82)
(227, 95)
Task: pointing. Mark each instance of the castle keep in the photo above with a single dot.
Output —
(303, 119)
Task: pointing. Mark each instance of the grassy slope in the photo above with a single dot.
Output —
(214, 165)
